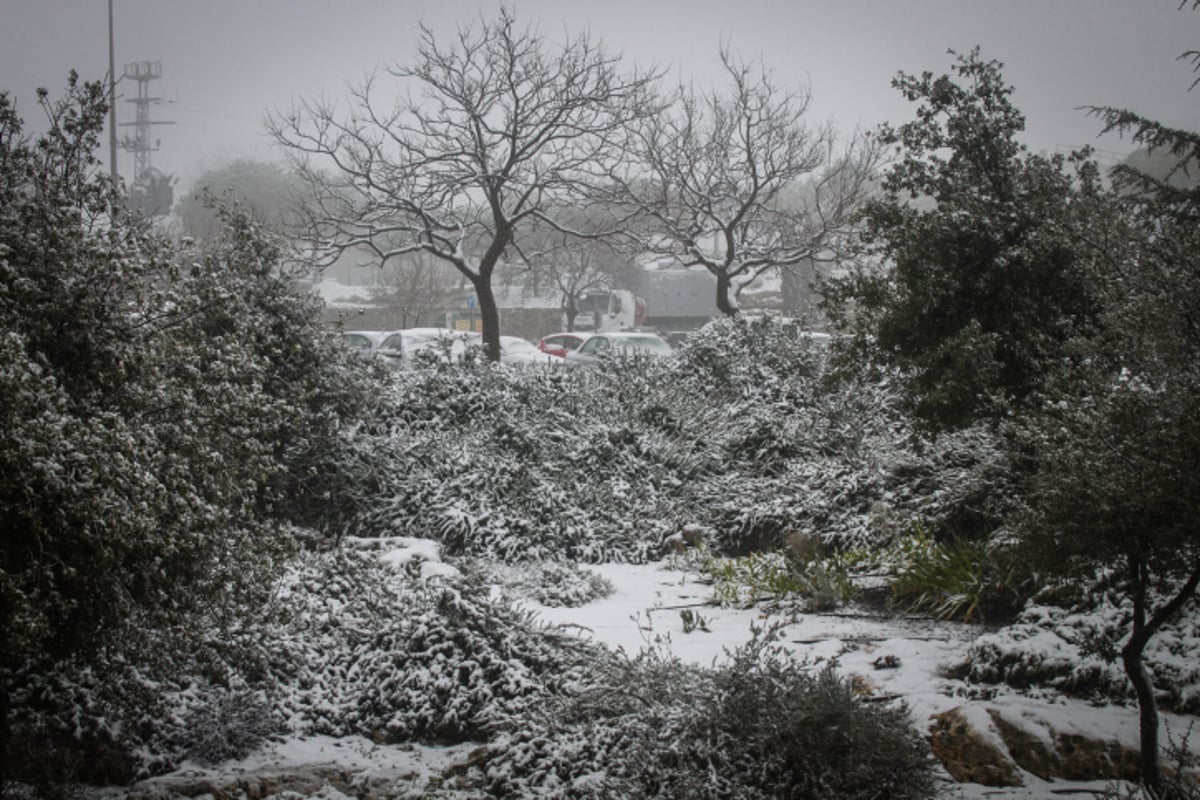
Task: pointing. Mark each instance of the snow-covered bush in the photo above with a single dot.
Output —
(761, 726)
(368, 637)
(369, 648)
(162, 409)
(229, 726)
(744, 437)
(565, 584)
(1073, 647)
(125, 713)
(799, 450)
(553, 583)
(518, 465)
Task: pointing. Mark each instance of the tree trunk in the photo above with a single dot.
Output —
(489, 315)
(1143, 687)
(4, 743)
(724, 304)
(1135, 667)
(571, 311)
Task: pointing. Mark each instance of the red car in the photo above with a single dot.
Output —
(559, 344)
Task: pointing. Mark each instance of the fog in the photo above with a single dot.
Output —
(225, 63)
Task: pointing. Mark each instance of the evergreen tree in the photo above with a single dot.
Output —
(1119, 435)
(1116, 439)
(982, 286)
(1018, 293)
(163, 412)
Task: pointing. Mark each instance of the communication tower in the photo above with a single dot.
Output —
(152, 191)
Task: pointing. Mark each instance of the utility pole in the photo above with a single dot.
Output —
(112, 98)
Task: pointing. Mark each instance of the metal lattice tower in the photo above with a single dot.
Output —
(150, 192)
(139, 144)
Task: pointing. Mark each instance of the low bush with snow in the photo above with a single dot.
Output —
(745, 437)
(367, 645)
(1071, 643)
(363, 639)
(760, 726)
(553, 583)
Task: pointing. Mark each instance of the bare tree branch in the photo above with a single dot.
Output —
(735, 180)
(488, 132)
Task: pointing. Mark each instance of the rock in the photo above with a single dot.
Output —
(968, 756)
(1066, 755)
(886, 662)
(303, 782)
(805, 546)
(861, 686)
(997, 756)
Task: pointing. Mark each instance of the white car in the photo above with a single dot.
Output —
(617, 343)
(363, 343)
(515, 350)
(401, 347)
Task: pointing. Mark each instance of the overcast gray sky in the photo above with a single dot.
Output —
(226, 62)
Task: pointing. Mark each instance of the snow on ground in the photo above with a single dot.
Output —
(337, 294)
(340, 295)
(900, 658)
(308, 759)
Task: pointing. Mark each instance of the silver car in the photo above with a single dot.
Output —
(599, 346)
(399, 348)
(364, 343)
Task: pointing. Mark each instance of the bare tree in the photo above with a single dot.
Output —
(417, 285)
(577, 260)
(503, 129)
(736, 181)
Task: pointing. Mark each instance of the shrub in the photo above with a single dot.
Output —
(760, 726)
(959, 579)
(744, 436)
(1068, 639)
(778, 577)
(229, 726)
(124, 714)
(162, 409)
(558, 583)
(367, 648)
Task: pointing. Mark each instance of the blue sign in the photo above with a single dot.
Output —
(470, 302)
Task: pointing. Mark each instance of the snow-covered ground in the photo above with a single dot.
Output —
(337, 294)
(340, 295)
(890, 658)
(644, 610)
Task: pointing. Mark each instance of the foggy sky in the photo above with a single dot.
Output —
(227, 62)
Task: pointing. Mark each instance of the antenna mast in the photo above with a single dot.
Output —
(151, 190)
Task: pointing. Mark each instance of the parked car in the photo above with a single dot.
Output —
(559, 344)
(401, 347)
(617, 343)
(515, 350)
(364, 343)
